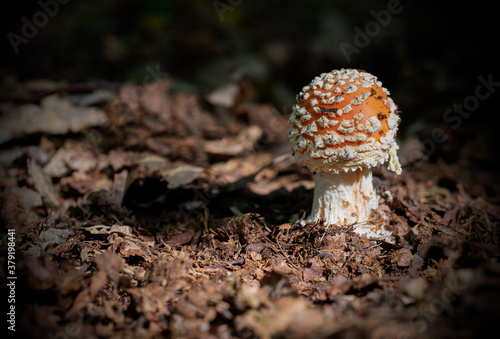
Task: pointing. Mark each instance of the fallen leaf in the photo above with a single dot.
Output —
(404, 258)
(54, 235)
(243, 142)
(29, 197)
(180, 239)
(54, 115)
(272, 122)
(103, 229)
(239, 169)
(118, 159)
(181, 174)
(313, 273)
(56, 167)
(119, 187)
(100, 202)
(195, 120)
(129, 247)
(43, 185)
(224, 96)
(72, 156)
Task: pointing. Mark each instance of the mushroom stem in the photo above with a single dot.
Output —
(343, 198)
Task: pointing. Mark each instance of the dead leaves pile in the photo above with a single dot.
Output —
(147, 213)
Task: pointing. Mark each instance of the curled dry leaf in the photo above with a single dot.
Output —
(54, 115)
(104, 229)
(74, 156)
(43, 185)
(242, 275)
(236, 169)
(245, 141)
(181, 174)
(224, 96)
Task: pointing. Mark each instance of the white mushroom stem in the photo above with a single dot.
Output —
(343, 198)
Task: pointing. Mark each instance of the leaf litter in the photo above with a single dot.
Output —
(159, 214)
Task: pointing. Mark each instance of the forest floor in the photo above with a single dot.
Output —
(140, 212)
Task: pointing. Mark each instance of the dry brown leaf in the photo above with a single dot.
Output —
(55, 115)
(238, 168)
(43, 185)
(243, 142)
(73, 156)
(54, 235)
(195, 120)
(287, 182)
(313, 273)
(118, 158)
(274, 125)
(119, 187)
(181, 174)
(111, 264)
(224, 96)
(131, 247)
(30, 198)
(104, 229)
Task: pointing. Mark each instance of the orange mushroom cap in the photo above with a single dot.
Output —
(344, 120)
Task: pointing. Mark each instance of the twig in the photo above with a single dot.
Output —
(239, 261)
(212, 268)
(285, 255)
(84, 244)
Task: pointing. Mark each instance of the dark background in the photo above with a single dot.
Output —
(429, 55)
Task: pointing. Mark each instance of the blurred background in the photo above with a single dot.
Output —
(430, 55)
(437, 58)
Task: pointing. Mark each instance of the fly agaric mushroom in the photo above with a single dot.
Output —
(344, 123)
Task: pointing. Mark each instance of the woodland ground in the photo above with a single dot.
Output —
(142, 212)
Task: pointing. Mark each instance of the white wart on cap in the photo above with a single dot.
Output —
(344, 121)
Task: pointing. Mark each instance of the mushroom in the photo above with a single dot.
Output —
(345, 123)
